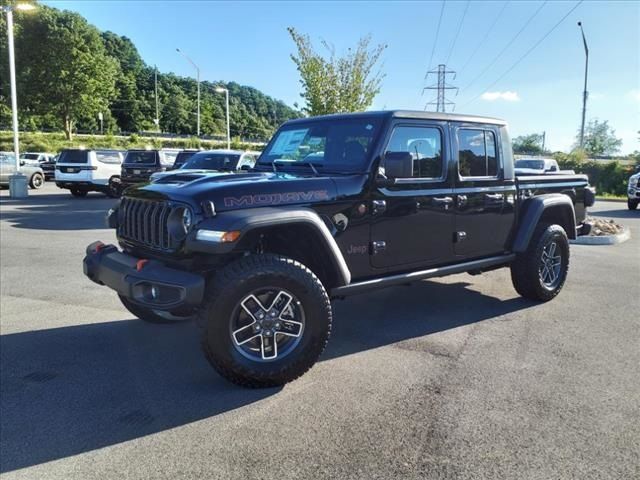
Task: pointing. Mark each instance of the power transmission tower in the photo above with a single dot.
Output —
(441, 102)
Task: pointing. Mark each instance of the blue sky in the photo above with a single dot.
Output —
(247, 42)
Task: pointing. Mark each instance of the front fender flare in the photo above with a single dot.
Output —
(534, 208)
(250, 219)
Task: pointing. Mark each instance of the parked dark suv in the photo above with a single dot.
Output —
(138, 165)
(182, 158)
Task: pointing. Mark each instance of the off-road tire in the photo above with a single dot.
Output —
(78, 193)
(632, 204)
(36, 181)
(224, 293)
(148, 315)
(525, 269)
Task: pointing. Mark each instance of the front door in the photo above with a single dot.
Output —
(484, 199)
(413, 219)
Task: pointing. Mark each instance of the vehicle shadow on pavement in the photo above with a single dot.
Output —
(411, 312)
(57, 212)
(65, 391)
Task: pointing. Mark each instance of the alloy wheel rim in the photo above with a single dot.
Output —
(550, 265)
(267, 324)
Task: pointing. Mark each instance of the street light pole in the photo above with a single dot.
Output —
(198, 80)
(585, 94)
(226, 91)
(17, 181)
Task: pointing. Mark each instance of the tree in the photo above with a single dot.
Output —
(67, 72)
(337, 84)
(528, 144)
(600, 139)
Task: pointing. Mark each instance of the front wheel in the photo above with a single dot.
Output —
(37, 181)
(632, 204)
(541, 271)
(151, 316)
(266, 320)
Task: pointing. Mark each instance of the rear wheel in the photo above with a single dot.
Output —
(78, 193)
(541, 271)
(36, 181)
(266, 320)
(632, 204)
(150, 315)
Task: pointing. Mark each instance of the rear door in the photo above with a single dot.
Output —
(484, 197)
(413, 220)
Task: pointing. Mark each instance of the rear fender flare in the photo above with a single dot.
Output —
(533, 210)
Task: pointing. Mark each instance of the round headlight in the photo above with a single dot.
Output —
(187, 219)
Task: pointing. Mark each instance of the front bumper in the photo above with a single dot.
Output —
(633, 193)
(146, 282)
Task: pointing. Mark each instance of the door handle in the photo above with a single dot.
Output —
(493, 196)
(462, 200)
(446, 201)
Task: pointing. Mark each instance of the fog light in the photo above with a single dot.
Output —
(155, 292)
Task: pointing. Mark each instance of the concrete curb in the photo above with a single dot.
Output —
(603, 239)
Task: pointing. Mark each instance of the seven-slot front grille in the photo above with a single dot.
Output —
(145, 222)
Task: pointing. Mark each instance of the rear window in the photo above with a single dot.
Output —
(168, 158)
(212, 161)
(535, 164)
(73, 156)
(109, 157)
(142, 156)
(183, 157)
(30, 156)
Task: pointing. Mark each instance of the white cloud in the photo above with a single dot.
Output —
(635, 94)
(507, 96)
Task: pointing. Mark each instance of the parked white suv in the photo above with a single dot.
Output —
(633, 191)
(82, 171)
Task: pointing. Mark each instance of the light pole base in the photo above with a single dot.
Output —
(18, 187)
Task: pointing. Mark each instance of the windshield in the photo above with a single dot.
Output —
(73, 156)
(212, 161)
(140, 156)
(534, 164)
(333, 145)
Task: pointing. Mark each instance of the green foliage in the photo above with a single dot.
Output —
(337, 84)
(528, 144)
(607, 177)
(599, 139)
(68, 71)
(64, 67)
(54, 142)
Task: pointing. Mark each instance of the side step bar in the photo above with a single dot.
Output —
(382, 282)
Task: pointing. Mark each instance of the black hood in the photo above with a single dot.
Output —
(231, 191)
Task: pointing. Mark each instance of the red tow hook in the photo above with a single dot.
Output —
(99, 247)
(141, 263)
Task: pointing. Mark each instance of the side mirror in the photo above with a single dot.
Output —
(22, 163)
(398, 165)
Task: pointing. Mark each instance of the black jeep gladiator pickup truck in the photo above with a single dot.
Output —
(336, 205)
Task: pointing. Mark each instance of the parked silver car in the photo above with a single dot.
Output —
(633, 191)
(35, 175)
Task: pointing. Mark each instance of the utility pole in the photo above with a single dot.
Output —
(585, 94)
(441, 101)
(157, 119)
(197, 80)
(544, 138)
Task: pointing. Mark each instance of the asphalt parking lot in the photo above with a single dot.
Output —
(454, 378)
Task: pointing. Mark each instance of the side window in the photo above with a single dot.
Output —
(477, 153)
(425, 146)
